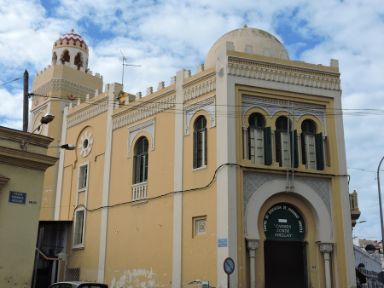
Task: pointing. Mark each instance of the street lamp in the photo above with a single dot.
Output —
(381, 209)
(65, 146)
(47, 118)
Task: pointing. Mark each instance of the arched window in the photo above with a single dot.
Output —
(79, 61)
(200, 142)
(65, 57)
(141, 161)
(286, 143)
(259, 140)
(311, 146)
(54, 58)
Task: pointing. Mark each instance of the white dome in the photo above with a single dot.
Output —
(248, 40)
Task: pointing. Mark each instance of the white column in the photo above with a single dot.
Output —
(226, 188)
(252, 246)
(178, 183)
(59, 185)
(326, 249)
(105, 195)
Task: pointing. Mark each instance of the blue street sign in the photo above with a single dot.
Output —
(229, 265)
(17, 197)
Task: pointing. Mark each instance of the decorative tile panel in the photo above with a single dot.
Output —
(253, 181)
(272, 106)
(208, 105)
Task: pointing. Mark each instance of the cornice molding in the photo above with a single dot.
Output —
(24, 138)
(283, 74)
(143, 110)
(26, 159)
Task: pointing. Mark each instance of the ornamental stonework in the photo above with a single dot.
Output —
(143, 111)
(284, 74)
(199, 89)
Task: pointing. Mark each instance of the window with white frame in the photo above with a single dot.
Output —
(78, 228)
(141, 161)
(256, 152)
(200, 142)
(283, 143)
(83, 177)
(311, 145)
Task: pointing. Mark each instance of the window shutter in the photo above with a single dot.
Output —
(319, 151)
(294, 149)
(205, 143)
(249, 143)
(267, 146)
(278, 147)
(145, 178)
(137, 169)
(195, 149)
(303, 151)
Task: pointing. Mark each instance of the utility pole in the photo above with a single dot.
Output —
(25, 102)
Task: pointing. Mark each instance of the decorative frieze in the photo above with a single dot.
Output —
(140, 112)
(57, 84)
(200, 88)
(284, 74)
(208, 105)
(88, 112)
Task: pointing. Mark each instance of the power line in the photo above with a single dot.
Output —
(235, 113)
(166, 194)
(10, 81)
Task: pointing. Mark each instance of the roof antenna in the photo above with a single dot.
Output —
(125, 64)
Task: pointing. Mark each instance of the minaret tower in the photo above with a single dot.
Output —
(67, 79)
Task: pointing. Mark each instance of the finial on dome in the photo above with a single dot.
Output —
(245, 26)
(72, 30)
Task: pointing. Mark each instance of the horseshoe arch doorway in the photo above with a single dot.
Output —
(285, 258)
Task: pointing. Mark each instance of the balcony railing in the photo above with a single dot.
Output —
(139, 191)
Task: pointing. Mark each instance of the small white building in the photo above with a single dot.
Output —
(368, 267)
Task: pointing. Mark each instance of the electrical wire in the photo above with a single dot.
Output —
(236, 113)
(208, 185)
(10, 81)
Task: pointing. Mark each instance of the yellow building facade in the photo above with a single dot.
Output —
(23, 160)
(244, 159)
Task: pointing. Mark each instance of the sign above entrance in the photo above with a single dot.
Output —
(283, 222)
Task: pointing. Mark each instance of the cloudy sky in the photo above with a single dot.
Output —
(164, 36)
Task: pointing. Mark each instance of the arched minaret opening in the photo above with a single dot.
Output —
(54, 58)
(65, 57)
(79, 61)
